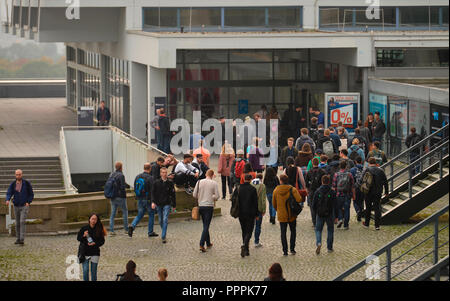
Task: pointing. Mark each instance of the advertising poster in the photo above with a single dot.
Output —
(343, 107)
(378, 103)
(439, 119)
(419, 117)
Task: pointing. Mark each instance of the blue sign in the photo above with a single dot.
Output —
(243, 106)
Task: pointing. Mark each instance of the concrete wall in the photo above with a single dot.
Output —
(89, 151)
(138, 100)
(409, 72)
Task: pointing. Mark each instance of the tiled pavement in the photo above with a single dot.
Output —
(31, 126)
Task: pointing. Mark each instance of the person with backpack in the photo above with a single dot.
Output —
(142, 188)
(294, 174)
(237, 167)
(163, 200)
(323, 205)
(327, 145)
(261, 191)
(304, 138)
(323, 162)
(247, 197)
(374, 179)
(283, 195)
(411, 140)
(355, 151)
(271, 181)
(206, 192)
(379, 155)
(313, 130)
(130, 274)
(317, 155)
(357, 173)
(343, 154)
(248, 170)
(363, 144)
(115, 188)
(91, 238)
(303, 158)
(313, 182)
(333, 166)
(335, 137)
(344, 186)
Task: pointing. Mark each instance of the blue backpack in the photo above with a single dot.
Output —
(110, 187)
(139, 187)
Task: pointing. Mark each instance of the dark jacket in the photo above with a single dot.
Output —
(380, 180)
(122, 186)
(121, 277)
(331, 201)
(164, 125)
(163, 193)
(311, 183)
(203, 169)
(336, 139)
(255, 157)
(305, 139)
(285, 155)
(99, 241)
(379, 128)
(107, 114)
(411, 140)
(248, 201)
(322, 140)
(26, 194)
(332, 168)
(156, 171)
(148, 185)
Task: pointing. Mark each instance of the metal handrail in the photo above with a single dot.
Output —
(388, 248)
(417, 145)
(432, 270)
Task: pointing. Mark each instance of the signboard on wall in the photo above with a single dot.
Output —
(243, 106)
(85, 116)
(378, 103)
(343, 107)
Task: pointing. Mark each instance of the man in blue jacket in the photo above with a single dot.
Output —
(103, 115)
(23, 195)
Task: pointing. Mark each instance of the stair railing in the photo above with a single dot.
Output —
(374, 272)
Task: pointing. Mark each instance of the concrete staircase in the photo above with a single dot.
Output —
(44, 174)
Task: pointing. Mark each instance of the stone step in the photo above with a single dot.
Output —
(27, 158)
(40, 180)
(29, 166)
(31, 172)
(31, 178)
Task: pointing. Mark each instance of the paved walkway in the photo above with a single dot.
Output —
(31, 126)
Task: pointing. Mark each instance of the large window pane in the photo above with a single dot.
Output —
(284, 17)
(205, 56)
(245, 17)
(285, 71)
(259, 71)
(163, 17)
(196, 17)
(444, 16)
(414, 16)
(206, 72)
(250, 56)
(331, 17)
(259, 95)
(291, 56)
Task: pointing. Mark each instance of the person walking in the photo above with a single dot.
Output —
(344, 186)
(357, 173)
(271, 181)
(119, 199)
(155, 124)
(411, 140)
(103, 115)
(237, 167)
(130, 274)
(142, 188)
(304, 138)
(206, 192)
(377, 153)
(248, 170)
(226, 159)
(248, 212)
(281, 194)
(288, 151)
(313, 182)
(323, 206)
(295, 174)
(303, 158)
(355, 151)
(163, 200)
(91, 238)
(379, 128)
(327, 145)
(21, 193)
(255, 156)
(373, 197)
(261, 190)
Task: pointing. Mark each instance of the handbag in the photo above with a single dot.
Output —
(303, 192)
(234, 210)
(195, 213)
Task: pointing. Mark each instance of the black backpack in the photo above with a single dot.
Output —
(234, 210)
(292, 206)
(316, 178)
(322, 206)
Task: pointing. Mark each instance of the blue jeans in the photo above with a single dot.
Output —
(320, 221)
(163, 215)
(272, 210)
(122, 204)
(413, 157)
(143, 207)
(258, 228)
(206, 213)
(358, 204)
(343, 210)
(94, 266)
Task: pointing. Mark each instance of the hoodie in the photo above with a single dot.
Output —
(261, 190)
(280, 196)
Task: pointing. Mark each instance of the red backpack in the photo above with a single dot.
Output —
(239, 168)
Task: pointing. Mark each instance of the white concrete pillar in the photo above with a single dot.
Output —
(310, 16)
(157, 87)
(138, 100)
(343, 78)
(365, 93)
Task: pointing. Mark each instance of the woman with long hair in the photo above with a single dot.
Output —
(294, 174)
(271, 181)
(303, 157)
(275, 273)
(162, 274)
(130, 274)
(91, 238)
(226, 159)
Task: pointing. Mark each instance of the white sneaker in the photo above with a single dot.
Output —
(259, 245)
